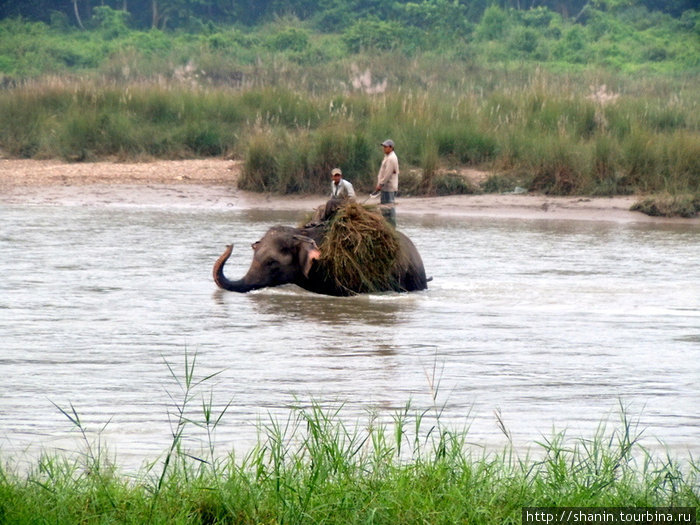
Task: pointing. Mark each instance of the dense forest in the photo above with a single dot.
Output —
(40, 37)
(328, 14)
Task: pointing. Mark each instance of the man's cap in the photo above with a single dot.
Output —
(388, 142)
(336, 171)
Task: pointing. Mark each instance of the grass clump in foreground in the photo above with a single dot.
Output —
(313, 467)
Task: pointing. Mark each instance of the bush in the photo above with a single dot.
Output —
(373, 34)
(524, 41)
(556, 168)
(604, 167)
(260, 170)
(573, 47)
(465, 144)
(301, 163)
(493, 24)
(501, 183)
(204, 139)
(334, 19)
(111, 23)
(290, 39)
(430, 161)
(656, 54)
(666, 205)
(453, 184)
(539, 17)
(638, 159)
(439, 16)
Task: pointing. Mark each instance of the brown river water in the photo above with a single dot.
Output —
(552, 324)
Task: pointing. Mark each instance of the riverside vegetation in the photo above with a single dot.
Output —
(314, 467)
(604, 104)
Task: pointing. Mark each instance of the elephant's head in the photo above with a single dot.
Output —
(284, 255)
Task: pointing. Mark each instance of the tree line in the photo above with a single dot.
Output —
(329, 14)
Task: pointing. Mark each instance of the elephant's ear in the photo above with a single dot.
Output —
(308, 253)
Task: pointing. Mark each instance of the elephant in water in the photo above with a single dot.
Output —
(287, 255)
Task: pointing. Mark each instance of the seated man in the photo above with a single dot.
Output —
(342, 192)
(341, 188)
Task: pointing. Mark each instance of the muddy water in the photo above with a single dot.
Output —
(552, 324)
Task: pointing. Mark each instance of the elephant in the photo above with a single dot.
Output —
(291, 255)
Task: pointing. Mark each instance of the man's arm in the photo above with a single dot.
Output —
(350, 189)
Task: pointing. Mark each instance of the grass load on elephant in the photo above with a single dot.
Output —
(360, 250)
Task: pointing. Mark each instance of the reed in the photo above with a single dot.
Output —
(316, 465)
(557, 133)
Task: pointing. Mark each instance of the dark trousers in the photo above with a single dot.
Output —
(387, 205)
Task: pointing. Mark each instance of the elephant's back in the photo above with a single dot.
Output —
(412, 275)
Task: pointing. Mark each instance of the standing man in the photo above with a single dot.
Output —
(388, 182)
(341, 188)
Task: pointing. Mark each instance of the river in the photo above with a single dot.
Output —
(546, 325)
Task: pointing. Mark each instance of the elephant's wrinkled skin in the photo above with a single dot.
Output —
(289, 255)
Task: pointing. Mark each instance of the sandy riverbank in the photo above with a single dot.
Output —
(211, 183)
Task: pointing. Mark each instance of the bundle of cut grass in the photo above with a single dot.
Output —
(360, 250)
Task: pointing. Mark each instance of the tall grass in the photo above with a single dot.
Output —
(314, 466)
(557, 134)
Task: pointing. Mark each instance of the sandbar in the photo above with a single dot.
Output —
(211, 183)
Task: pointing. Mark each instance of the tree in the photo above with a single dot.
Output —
(77, 14)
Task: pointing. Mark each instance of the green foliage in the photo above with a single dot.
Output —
(111, 23)
(333, 19)
(436, 15)
(260, 171)
(573, 47)
(204, 140)
(280, 162)
(524, 41)
(538, 17)
(290, 39)
(500, 183)
(336, 146)
(555, 167)
(465, 143)
(604, 165)
(622, 38)
(373, 34)
(452, 184)
(89, 135)
(429, 163)
(493, 25)
(317, 465)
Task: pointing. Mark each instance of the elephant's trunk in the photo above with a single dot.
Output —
(222, 281)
